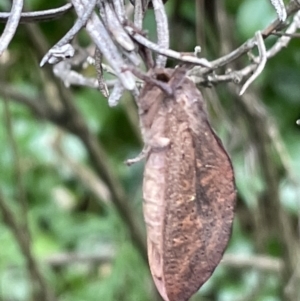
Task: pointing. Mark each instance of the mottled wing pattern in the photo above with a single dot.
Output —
(189, 191)
(200, 196)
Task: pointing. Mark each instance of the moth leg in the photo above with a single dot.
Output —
(155, 144)
(143, 154)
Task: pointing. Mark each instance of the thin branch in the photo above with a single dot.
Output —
(167, 52)
(99, 69)
(44, 292)
(261, 64)
(72, 120)
(86, 176)
(100, 36)
(116, 94)
(162, 31)
(21, 195)
(120, 10)
(103, 255)
(292, 8)
(258, 118)
(106, 253)
(138, 14)
(37, 16)
(116, 28)
(35, 105)
(80, 22)
(285, 34)
(259, 262)
(280, 9)
(201, 77)
(11, 25)
(283, 41)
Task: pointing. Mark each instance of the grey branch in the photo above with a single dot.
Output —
(205, 76)
(162, 30)
(166, 52)
(261, 64)
(44, 291)
(107, 253)
(11, 25)
(37, 16)
(80, 22)
(100, 36)
(280, 9)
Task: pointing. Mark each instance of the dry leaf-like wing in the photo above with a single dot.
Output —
(189, 192)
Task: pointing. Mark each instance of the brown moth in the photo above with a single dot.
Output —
(188, 190)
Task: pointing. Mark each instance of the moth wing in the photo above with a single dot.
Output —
(199, 217)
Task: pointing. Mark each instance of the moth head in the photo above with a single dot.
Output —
(163, 77)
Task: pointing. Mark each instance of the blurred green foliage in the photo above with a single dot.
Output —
(65, 217)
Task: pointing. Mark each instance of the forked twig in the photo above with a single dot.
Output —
(80, 22)
(102, 39)
(262, 62)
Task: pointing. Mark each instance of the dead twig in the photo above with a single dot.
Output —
(38, 16)
(42, 291)
(11, 25)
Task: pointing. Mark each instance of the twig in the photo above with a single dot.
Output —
(44, 292)
(280, 9)
(82, 173)
(80, 22)
(100, 36)
(103, 254)
(37, 16)
(292, 287)
(167, 52)
(98, 65)
(101, 164)
(259, 120)
(260, 262)
(292, 8)
(262, 62)
(230, 76)
(116, 29)
(35, 105)
(138, 14)
(72, 120)
(162, 30)
(283, 41)
(116, 94)
(201, 75)
(17, 167)
(11, 25)
(69, 77)
(284, 34)
(120, 10)
(107, 253)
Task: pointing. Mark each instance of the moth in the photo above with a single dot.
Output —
(188, 187)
